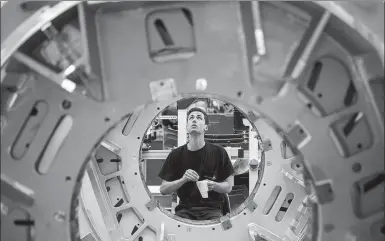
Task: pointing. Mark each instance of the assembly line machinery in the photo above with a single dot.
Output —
(81, 82)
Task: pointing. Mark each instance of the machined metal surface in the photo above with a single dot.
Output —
(309, 76)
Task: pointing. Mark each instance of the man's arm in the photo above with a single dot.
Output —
(173, 186)
(170, 187)
(222, 187)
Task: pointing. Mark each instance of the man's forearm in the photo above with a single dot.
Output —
(223, 187)
(170, 187)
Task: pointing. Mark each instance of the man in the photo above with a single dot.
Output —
(195, 161)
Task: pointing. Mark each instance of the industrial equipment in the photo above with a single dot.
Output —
(81, 82)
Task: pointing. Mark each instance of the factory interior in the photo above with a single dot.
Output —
(95, 96)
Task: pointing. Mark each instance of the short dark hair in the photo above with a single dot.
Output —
(201, 111)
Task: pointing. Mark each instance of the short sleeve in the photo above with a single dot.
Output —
(168, 170)
(225, 168)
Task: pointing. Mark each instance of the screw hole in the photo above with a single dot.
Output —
(309, 105)
(158, 108)
(244, 213)
(328, 227)
(27, 145)
(258, 99)
(319, 95)
(213, 228)
(359, 145)
(301, 131)
(68, 178)
(34, 112)
(66, 104)
(136, 173)
(161, 83)
(178, 226)
(239, 94)
(138, 138)
(264, 184)
(356, 167)
(298, 165)
(107, 119)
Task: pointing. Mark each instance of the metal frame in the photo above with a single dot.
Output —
(54, 214)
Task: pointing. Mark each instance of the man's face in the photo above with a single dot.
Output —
(196, 122)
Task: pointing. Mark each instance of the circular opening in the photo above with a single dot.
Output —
(224, 128)
(106, 119)
(66, 104)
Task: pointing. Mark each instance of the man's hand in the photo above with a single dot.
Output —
(221, 187)
(190, 176)
(211, 185)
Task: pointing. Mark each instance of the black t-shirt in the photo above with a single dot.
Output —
(210, 162)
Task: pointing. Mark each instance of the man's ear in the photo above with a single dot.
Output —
(206, 127)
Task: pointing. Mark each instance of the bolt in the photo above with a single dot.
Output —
(253, 164)
(60, 216)
(268, 163)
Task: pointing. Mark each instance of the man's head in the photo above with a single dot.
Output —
(197, 121)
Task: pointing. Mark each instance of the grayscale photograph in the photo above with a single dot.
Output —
(192, 120)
